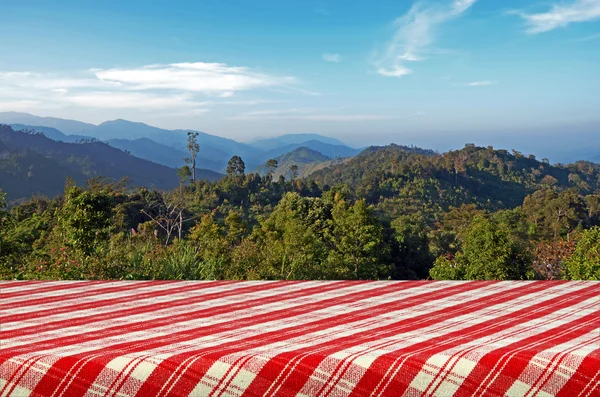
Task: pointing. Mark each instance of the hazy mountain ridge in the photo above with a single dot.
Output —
(66, 126)
(50, 132)
(168, 147)
(30, 155)
(290, 139)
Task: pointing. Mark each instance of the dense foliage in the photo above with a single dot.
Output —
(391, 212)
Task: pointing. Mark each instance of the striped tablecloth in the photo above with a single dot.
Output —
(306, 338)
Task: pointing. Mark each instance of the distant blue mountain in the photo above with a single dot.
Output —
(162, 154)
(326, 149)
(34, 163)
(49, 132)
(268, 144)
(169, 147)
(63, 125)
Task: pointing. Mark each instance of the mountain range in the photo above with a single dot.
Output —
(168, 147)
(31, 163)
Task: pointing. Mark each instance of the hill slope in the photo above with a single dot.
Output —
(326, 149)
(33, 155)
(405, 180)
(306, 159)
(50, 132)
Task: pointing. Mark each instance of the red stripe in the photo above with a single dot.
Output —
(296, 379)
(76, 374)
(210, 356)
(447, 368)
(557, 360)
(67, 361)
(18, 285)
(110, 352)
(44, 288)
(414, 363)
(585, 382)
(508, 362)
(60, 324)
(186, 379)
(140, 325)
(79, 294)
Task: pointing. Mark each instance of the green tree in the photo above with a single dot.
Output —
(212, 247)
(85, 218)
(584, 263)
(489, 252)
(271, 166)
(193, 148)
(555, 214)
(236, 167)
(360, 248)
(292, 239)
(3, 222)
(411, 254)
(184, 173)
(237, 228)
(294, 171)
(446, 268)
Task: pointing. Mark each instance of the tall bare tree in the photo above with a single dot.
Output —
(169, 213)
(194, 148)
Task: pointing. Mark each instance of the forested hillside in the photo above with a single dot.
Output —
(296, 164)
(492, 179)
(391, 212)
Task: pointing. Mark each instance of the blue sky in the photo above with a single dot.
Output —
(364, 71)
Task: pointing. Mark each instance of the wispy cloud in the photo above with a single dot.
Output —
(193, 76)
(327, 57)
(414, 33)
(344, 117)
(188, 86)
(561, 15)
(135, 100)
(483, 83)
(316, 114)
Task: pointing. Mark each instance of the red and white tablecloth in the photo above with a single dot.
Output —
(306, 338)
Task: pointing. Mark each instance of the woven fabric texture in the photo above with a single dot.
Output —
(299, 338)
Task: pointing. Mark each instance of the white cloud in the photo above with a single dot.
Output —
(133, 100)
(483, 83)
(561, 15)
(332, 57)
(196, 77)
(414, 33)
(148, 88)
